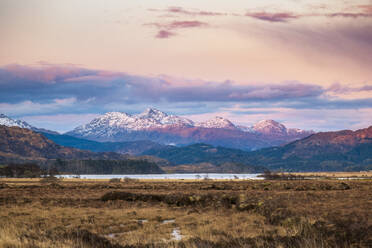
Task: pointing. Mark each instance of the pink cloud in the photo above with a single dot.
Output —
(338, 88)
(163, 34)
(182, 11)
(178, 24)
(166, 29)
(366, 8)
(347, 14)
(47, 73)
(364, 11)
(273, 17)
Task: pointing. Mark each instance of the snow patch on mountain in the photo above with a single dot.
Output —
(9, 122)
(115, 122)
(217, 122)
(269, 127)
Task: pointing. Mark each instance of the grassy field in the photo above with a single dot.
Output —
(204, 213)
(362, 174)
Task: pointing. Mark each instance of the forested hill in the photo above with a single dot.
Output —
(23, 145)
(325, 151)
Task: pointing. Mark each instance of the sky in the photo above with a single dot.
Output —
(306, 64)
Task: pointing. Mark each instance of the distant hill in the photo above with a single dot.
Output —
(131, 147)
(205, 158)
(326, 151)
(23, 145)
(227, 167)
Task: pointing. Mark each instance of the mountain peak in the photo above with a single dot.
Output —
(270, 127)
(152, 113)
(9, 122)
(217, 122)
(268, 122)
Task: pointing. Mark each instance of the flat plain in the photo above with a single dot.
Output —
(185, 213)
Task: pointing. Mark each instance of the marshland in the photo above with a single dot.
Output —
(185, 213)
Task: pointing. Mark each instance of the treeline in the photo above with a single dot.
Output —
(27, 170)
(107, 167)
(54, 167)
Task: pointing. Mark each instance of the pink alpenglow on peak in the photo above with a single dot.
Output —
(217, 122)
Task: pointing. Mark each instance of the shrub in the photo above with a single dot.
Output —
(268, 175)
(49, 180)
(115, 180)
(128, 180)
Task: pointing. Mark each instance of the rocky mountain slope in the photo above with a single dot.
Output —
(162, 128)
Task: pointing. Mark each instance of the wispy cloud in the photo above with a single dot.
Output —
(183, 11)
(273, 17)
(166, 30)
(163, 34)
(338, 88)
(280, 16)
(178, 24)
(27, 106)
(285, 16)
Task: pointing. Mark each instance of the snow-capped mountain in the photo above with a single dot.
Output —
(159, 118)
(160, 127)
(271, 127)
(9, 122)
(113, 123)
(217, 122)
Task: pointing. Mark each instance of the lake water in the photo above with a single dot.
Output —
(171, 176)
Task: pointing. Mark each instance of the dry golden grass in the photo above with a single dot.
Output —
(360, 174)
(79, 213)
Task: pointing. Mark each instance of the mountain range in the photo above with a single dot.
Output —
(162, 128)
(325, 151)
(158, 127)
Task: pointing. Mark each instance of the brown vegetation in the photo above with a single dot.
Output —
(206, 213)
